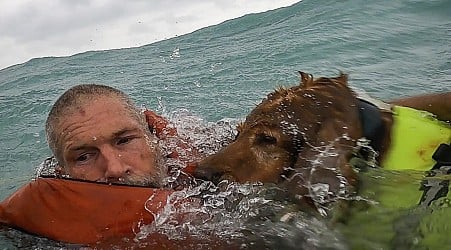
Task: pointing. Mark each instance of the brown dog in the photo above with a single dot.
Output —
(291, 136)
(303, 137)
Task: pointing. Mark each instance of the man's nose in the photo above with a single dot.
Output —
(115, 165)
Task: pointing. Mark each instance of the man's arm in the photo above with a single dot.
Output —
(438, 104)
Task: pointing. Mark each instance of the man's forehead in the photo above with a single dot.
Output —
(91, 102)
(74, 137)
(107, 115)
(90, 138)
(106, 107)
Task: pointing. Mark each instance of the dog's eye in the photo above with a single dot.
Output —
(266, 139)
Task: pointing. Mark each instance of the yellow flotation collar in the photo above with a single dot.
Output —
(415, 136)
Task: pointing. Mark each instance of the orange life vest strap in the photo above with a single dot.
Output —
(159, 125)
(162, 129)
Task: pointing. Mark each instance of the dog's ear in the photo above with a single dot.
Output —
(240, 127)
(342, 79)
(306, 79)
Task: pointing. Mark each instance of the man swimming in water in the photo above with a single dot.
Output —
(99, 136)
(96, 133)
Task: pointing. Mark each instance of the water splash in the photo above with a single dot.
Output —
(207, 137)
(47, 167)
(244, 215)
(247, 215)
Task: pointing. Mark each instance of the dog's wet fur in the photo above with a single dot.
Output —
(300, 137)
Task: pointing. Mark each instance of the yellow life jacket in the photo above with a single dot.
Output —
(408, 207)
(415, 137)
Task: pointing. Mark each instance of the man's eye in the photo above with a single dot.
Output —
(83, 158)
(124, 140)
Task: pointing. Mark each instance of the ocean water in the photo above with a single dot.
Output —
(390, 49)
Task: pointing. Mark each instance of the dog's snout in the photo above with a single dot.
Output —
(202, 173)
(207, 173)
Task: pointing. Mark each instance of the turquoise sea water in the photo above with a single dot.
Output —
(390, 49)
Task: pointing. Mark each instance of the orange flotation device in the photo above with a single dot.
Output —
(80, 212)
(84, 212)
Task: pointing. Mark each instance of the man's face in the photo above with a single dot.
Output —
(102, 141)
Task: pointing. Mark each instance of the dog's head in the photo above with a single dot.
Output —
(301, 134)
